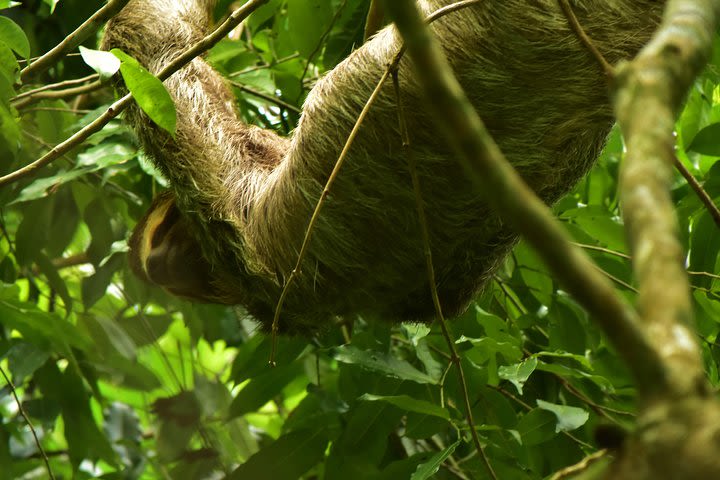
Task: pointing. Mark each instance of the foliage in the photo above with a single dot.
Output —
(120, 381)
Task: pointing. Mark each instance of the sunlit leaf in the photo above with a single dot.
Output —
(707, 141)
(568, 418)
(14, 37)
(519, 373)
(149, 92)
(104, 63)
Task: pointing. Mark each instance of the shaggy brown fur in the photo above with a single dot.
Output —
(244, 196)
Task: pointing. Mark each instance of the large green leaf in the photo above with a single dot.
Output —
(430, 468)
(568, 418)
(13, 36)
(287, 458)
(382, 363)
(149, 92)
(263, 388)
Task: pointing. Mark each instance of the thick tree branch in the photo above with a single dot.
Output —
(517, 204)
(649, 94)
(90, 26)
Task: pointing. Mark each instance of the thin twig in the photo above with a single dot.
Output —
(583, 465)
(320, 43)
(57, 109)
(24, 414)
(603, 250)
(614, 279)
(114, 110)
(580, 32)
(601, 410)
(336, 170)
(698, 189)
(90, 26)
(56, 86)
(265, 66)
(528, 407)
(628, 257)
(425, 235)
(58, 94)
(265, 96)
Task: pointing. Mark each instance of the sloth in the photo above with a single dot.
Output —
(230, 227)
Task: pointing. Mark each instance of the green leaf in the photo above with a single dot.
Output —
(8, 4)
(24, 358)
(487, 347)
(381, 362)
(148, 91)
(9, 67)
(288, 458)
(54, 280)
(9, 130)
(537, 426)
(707, 141)
(172, 439)
(98, 221)
(308, 20)
(44, 187)
(600, 224)
(13, 36)
(519, 373)
(94, 287)
(84, 438)
(568, 418)
(52, 4)
(33, 232)
(105, 155)
(145, 329)
(104, 63)
(263, 388)
(704, 249)
(560, 354)
(409, 404)
(426, 470)
(42, 327)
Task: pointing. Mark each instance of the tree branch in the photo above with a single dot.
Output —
(90, 26)
(650, 91)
